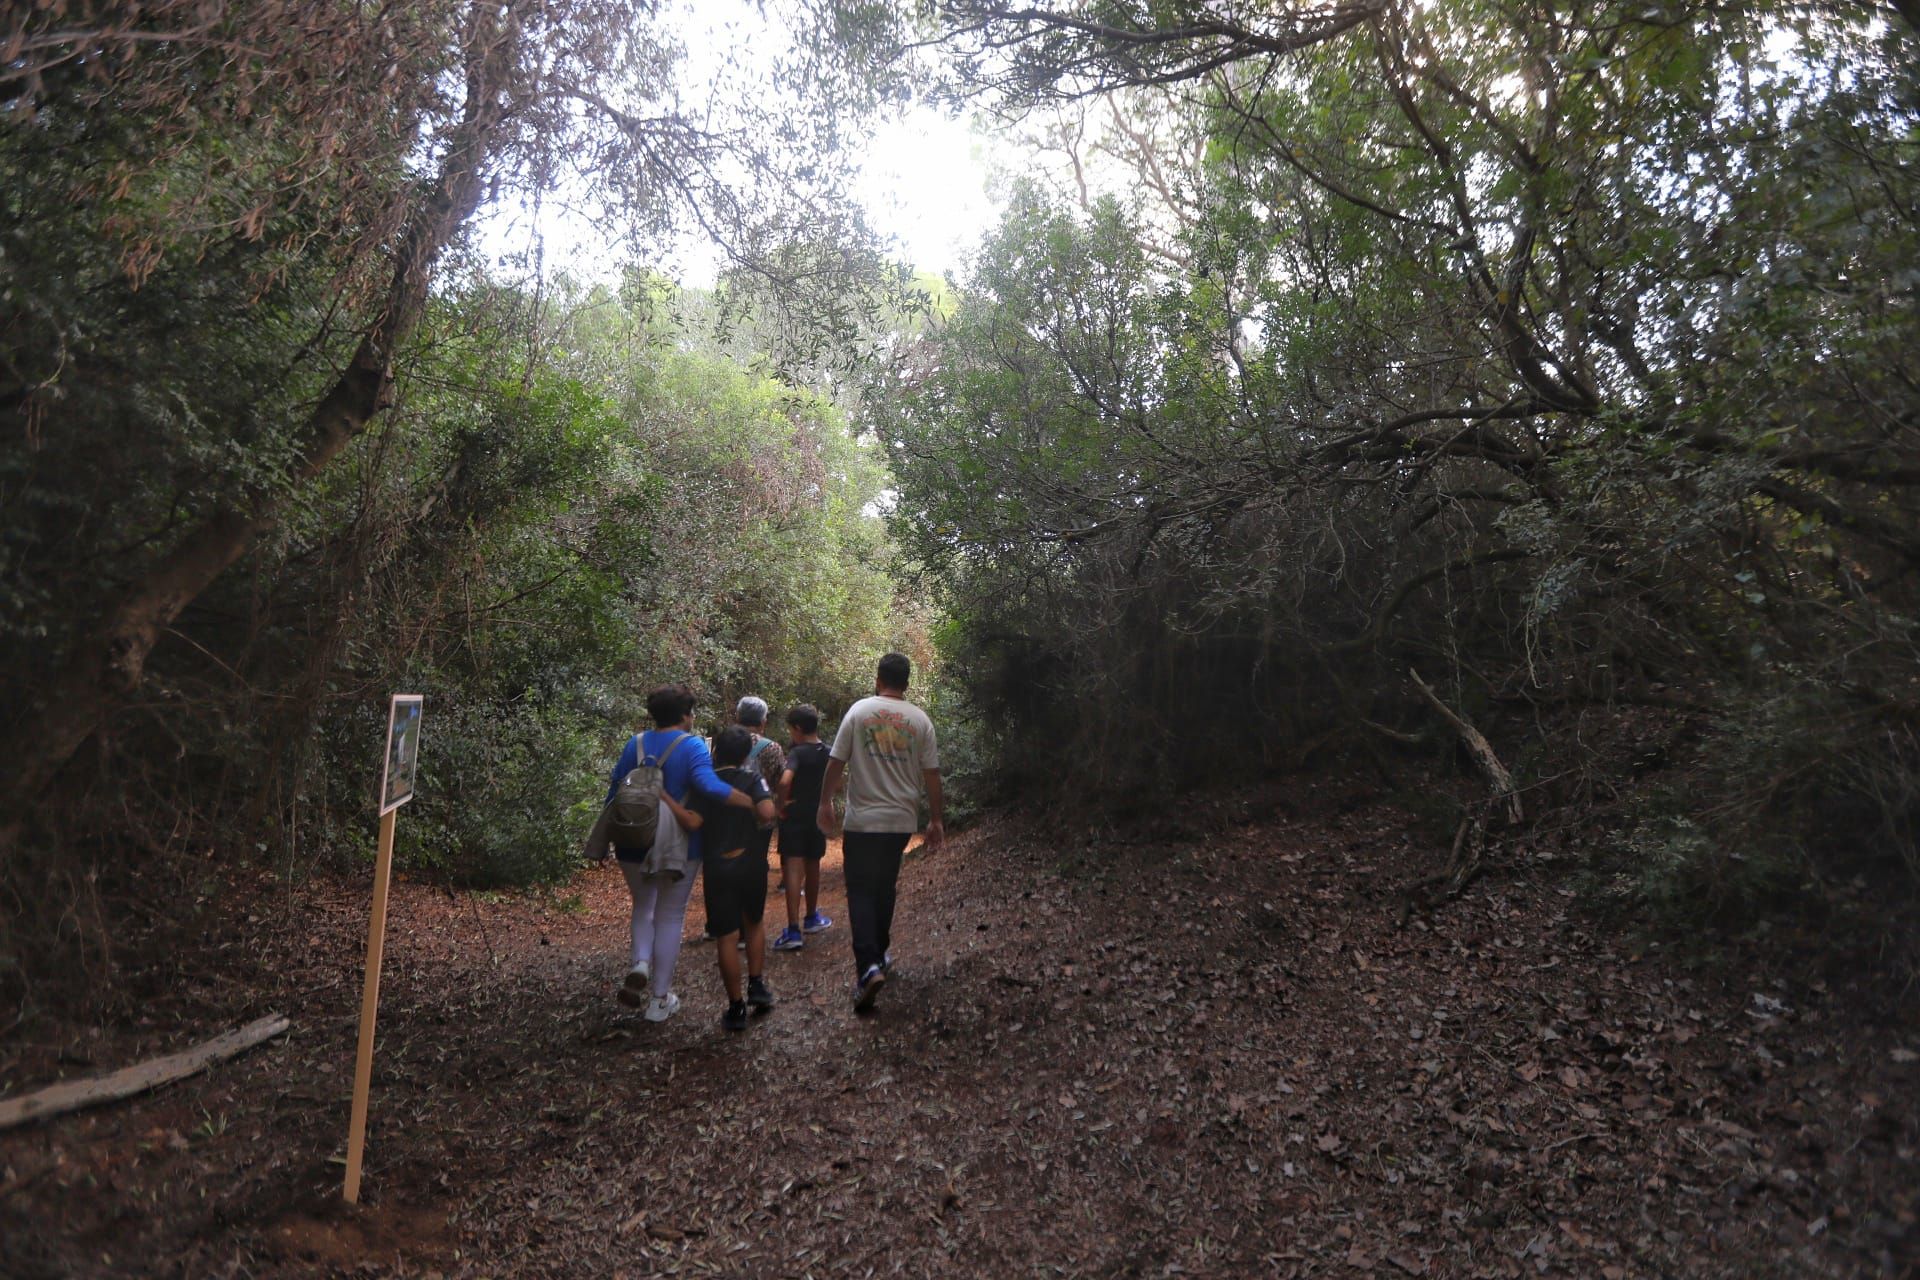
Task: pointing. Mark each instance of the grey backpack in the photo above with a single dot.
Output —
(633, 815)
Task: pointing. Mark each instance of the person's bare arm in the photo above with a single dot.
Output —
(836, 772)
(784, 800)
(764, 810)
(686, 817)
(936, 829)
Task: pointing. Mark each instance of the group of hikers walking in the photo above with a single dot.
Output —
(677, 812)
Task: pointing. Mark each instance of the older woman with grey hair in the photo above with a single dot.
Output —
(765, 755)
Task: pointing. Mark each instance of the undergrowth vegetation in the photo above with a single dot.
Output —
(1563, 360)
(1340, 385)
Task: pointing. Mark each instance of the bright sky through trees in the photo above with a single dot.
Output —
(925, 177)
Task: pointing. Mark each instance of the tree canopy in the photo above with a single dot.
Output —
(1564, 354)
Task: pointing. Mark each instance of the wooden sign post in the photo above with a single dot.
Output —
(396, 788)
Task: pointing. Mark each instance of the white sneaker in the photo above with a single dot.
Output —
(633, 992)
(660, 1008)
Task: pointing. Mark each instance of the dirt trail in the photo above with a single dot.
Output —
(1215, 1058)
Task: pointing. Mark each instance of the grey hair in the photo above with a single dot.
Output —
(751, 710)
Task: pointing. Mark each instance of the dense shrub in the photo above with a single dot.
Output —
(1571, 364)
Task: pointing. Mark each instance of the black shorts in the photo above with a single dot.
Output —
(735, 892)
(807, 841)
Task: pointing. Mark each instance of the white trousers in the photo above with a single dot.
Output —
(659, 915)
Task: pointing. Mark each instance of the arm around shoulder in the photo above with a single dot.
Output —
(687, 818)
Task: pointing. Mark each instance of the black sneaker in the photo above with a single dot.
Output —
(758, 996)
(867, 989)
(735, 1018)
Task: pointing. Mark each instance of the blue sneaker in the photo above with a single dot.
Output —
(867, 989)
(790, 939)
(816, 922)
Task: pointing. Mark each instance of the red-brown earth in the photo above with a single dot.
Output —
(1217, 1055)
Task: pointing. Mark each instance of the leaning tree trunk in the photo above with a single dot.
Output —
(109, 661)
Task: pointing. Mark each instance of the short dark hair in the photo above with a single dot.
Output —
(895, 671)
(731, 746)
(805, 718)
(669, 704)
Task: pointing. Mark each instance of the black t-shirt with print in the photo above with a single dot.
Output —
(809, 764)
(727, 829)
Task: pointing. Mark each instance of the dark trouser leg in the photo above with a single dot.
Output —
(872, 862)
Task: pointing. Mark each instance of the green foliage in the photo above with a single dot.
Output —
(1683, 875)
(271, 446)
(542, 549)
(565, 508)
(1575, 360)
(494, 792)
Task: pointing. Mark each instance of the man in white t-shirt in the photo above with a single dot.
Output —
(885, 750)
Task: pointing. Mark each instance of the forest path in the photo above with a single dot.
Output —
(1214, 1056)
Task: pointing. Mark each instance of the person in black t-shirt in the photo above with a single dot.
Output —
(735, 878)
(802, 842)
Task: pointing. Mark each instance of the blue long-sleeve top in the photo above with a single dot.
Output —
(689, 768)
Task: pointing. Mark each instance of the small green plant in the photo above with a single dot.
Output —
(211, 1126)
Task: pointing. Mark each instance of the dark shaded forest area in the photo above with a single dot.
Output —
(1502, 414)
(1547, 371)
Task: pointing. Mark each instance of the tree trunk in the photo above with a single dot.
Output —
(108, 662)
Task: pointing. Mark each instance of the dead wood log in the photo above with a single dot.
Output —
(75, 1095)
(1505, 795)
(1464, 866)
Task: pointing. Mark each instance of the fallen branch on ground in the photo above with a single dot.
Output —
(75, 1095)
(1498, 779)
(1464, 866)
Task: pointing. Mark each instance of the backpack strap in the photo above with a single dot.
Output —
(673, 746)
(642, 757)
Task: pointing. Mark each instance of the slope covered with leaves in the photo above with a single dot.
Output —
(1206, 1049)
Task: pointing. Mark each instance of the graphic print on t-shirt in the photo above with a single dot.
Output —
(887, 734)
(888, 744)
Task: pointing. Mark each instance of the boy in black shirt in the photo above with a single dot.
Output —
(802, 842)
(736, 877)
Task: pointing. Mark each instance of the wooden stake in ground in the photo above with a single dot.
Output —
(396, 788)
(75, 1095)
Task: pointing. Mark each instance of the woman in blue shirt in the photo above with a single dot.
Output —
(660, 904)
